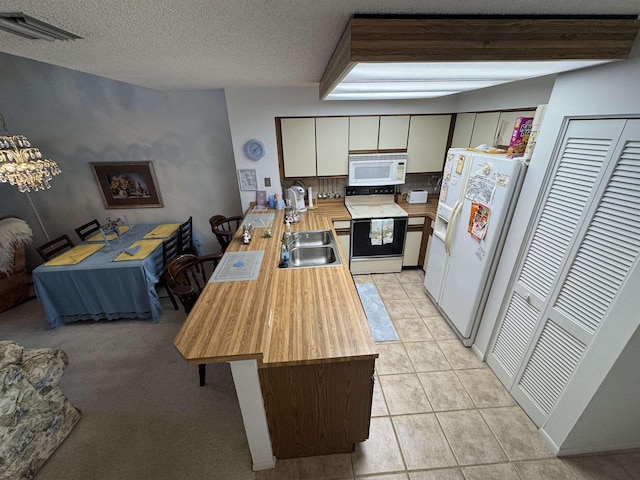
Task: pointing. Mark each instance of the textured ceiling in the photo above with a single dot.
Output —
(207, 44)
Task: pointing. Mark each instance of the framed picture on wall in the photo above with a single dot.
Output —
(127, 184)
(248, 179)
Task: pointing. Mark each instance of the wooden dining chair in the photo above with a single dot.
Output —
(89, 228)
(186, 237)
(55, 247)
(186, 276)
(224, 228)
(170, 250)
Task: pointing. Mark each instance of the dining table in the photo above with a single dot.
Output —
(105, 277)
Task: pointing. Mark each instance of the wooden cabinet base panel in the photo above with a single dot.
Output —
(318, 409)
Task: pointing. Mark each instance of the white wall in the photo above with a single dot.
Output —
(76, 118)
(527, 93)
(607, 90)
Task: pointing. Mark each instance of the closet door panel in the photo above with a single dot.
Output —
(585, 150)
(603, 248)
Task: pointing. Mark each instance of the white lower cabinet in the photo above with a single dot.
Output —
(413, 242)
(412, 248)
(427, 248)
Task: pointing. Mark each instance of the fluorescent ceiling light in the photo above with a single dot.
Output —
(402, 80)
(399, 57)
(32, 28)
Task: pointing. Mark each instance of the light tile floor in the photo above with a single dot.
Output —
(439, 413)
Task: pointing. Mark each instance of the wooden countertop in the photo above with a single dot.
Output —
(421, 209)
(287, 316)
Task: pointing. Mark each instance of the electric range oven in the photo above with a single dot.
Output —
(378, 229)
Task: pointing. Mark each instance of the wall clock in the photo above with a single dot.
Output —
(254, 149)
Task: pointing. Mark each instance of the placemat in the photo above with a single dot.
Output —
(75, 255)
(163, 230)
(146, 247)
(259, 220)
(112, 236)
(238, 266)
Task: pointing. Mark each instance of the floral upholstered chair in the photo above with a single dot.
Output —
(35, 416)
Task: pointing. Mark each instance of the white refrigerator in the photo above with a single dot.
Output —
(477, 199)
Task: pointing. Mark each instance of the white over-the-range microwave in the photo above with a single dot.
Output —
(371, 169)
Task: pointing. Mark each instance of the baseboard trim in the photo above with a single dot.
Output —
(264, 465)
(595, 450)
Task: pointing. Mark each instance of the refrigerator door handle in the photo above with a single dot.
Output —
(451, 227)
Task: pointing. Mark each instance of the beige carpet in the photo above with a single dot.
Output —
(144, 416)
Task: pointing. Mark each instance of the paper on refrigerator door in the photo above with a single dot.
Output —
(478, 221)
(480, 189)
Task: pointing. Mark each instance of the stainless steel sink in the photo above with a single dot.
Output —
(311, 238)
(313, 248)
(312, 256)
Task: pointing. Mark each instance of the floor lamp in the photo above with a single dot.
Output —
(22, 165)
(33, 207)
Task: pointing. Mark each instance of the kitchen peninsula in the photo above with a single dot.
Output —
(300, 349)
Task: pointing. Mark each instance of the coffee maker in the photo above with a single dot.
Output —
(296, 195)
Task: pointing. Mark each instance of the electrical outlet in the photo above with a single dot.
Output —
(267, 181)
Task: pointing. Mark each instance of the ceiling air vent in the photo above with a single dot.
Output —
(31, 28)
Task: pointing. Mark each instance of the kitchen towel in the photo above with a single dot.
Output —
(375, 232)
(379, 322)
(387, 231)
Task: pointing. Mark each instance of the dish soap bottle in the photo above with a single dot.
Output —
(284, 257)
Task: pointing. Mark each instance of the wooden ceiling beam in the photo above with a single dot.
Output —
(478, 39)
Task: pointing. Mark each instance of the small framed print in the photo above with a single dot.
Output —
(127, 184)
(248, 179)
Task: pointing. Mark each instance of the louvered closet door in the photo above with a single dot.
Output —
(583, 242)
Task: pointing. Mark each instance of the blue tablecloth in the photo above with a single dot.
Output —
(98, 288)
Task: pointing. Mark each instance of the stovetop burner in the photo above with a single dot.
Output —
(373, 202)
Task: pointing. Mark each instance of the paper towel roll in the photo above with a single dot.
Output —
(310, 195)
(535, 127)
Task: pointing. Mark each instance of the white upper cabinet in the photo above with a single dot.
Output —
(506, 122)
(363, 133)
(491, 128)
(332, 145)
(463, 130)
(484, 129)
(299, 146)
(394, 132)
(427, 145)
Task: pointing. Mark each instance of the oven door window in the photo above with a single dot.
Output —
(366, 241)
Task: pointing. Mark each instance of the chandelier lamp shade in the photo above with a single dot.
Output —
(22, 165)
